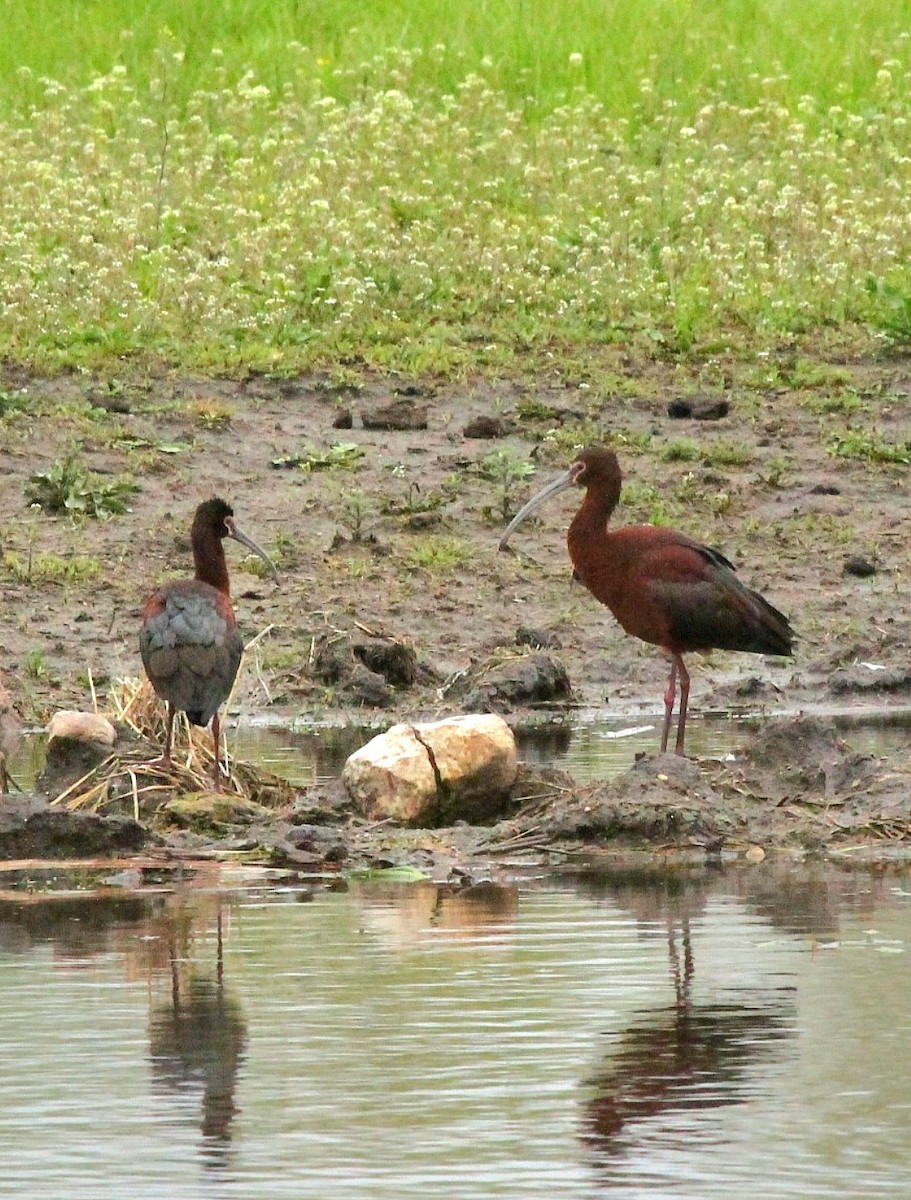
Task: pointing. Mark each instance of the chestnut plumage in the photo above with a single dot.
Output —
(661, 585)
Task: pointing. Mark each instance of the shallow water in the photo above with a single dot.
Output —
(589, 751)
(639, 1034)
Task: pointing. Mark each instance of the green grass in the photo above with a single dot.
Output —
(442, 188)
(855, 443)
(51, 568)
(438, 553)
(536, 51)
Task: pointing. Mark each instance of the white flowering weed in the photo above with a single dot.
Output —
(412, 229)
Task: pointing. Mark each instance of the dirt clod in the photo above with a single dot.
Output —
(401, 414)
(55, 833)
(535, 679)
(485, 428)
(859, 565)
(699, 408)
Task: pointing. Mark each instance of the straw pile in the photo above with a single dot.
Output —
(127, 783)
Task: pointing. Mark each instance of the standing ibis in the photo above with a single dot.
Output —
(189, 641)
(662, 586)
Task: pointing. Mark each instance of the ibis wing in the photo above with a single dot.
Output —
(705, 607)
(191, 648)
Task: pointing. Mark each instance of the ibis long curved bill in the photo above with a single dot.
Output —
(246, 540)
(560, 484)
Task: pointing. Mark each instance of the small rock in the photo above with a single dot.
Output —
(369, 688)
(81, 727)
(699, 408)
(436, 773)
(755, 854)
(305, 837)
(77, 743)
(856, 564)
(211, 812)
(285, 853)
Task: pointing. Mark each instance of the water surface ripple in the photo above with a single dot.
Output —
(639, 1034)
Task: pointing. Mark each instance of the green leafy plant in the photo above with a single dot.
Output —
(414, 501)
(681, 450)
(340, 456)
(51, 568)
(35, 665)
(727, 454)
(11, 402)
(69, 487)
(213, 415)
(439, 553)
(853, 443)
(504, 468)
(354, 508)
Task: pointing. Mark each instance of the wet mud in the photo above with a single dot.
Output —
(394, 604)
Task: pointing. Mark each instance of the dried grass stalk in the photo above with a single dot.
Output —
(127, 783)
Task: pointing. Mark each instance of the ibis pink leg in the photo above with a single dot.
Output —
(684, 700)
(669, 704)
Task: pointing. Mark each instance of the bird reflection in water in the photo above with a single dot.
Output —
(197, 1046)
(685, 1056)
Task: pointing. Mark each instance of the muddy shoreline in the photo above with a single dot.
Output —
(382, 505)
(796, 790)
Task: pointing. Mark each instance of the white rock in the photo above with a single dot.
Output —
(393, 776)
(81, 727)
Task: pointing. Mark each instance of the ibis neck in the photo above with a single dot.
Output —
(591, 519)
(210, 562)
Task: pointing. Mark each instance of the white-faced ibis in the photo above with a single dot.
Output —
(10, 729)
(662, 586)
(190, 644)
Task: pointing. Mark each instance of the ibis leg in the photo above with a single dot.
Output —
(168, 736)
(684, 700)
(164, 759)
(669, 702)
(216, 737)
